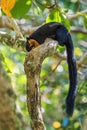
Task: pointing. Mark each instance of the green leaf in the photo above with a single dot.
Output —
(2, 57)
(54, 17)
(78, 51)
(65, 20)
(57, 15)
(61, 48)
(21, 8)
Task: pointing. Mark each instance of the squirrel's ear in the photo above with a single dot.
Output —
(27, 38)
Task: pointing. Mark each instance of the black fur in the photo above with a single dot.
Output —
(58, 32)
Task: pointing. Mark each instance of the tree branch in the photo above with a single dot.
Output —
(78, 30)
(27, 28)
(4, 23)
(75, 16)
(82, 60)
(11, 41)
(15, 27)
(33, 63)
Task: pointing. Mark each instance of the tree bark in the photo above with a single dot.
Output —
(32, 66)
(84, 125)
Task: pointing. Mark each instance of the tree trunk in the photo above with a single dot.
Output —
(33, 63)
(9, 118)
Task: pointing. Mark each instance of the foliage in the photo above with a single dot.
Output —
(54, 75)
(7, 6)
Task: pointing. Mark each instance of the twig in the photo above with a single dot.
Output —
(16, 27)
(51, 72)
(25, 29)
(82, 60)
(78, 30)
(75, 16)
(11, 41)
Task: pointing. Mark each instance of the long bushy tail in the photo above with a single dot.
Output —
(64, 38)
(72, 76)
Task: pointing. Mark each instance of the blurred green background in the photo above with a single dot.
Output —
(54, 80)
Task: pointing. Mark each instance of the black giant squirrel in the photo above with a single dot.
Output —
(58, 32)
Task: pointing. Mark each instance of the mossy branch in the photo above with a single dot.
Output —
(33, 63)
